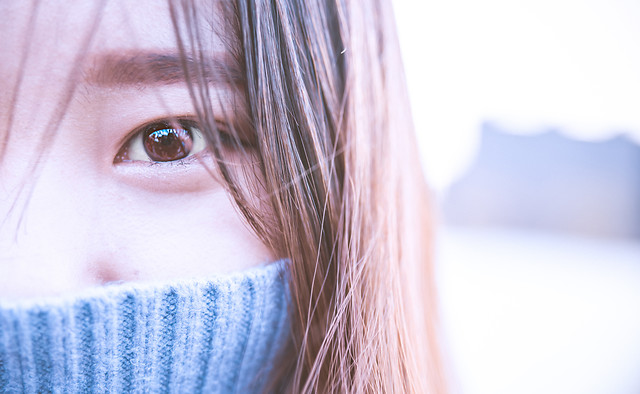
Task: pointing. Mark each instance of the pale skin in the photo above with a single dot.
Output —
(82, 218)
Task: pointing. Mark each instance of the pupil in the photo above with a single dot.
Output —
(166, 143)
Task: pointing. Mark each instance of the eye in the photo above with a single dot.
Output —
(163, 141)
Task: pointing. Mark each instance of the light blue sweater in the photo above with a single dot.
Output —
(214, 336)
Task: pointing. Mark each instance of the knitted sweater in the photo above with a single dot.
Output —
(215, 336)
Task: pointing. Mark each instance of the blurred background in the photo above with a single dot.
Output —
(528, 117)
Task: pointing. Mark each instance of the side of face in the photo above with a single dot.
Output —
(84, 199)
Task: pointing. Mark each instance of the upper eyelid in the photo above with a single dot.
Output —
(141, 127)
(221, 125)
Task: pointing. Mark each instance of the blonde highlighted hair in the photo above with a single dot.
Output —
(326, 100)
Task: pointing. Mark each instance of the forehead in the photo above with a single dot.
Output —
(53, 34)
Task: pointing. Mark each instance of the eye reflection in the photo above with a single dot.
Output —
(162, 141)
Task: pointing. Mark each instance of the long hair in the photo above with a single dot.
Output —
(333, 151)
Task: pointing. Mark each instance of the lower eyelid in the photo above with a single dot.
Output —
(192, 159)
(191, 174)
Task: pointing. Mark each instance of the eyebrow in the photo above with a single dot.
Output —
(158, 68)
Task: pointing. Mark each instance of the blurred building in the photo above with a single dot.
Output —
(549, 182)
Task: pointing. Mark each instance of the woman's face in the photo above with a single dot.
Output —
(98, 208)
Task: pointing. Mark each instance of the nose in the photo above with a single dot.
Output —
(52, 240)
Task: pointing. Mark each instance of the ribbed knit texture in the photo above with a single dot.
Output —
(214, 336)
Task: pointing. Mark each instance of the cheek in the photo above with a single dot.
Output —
(165, 236)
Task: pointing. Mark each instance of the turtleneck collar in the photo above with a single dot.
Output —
(219, 335)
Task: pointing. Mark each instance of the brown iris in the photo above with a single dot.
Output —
(166, 142)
